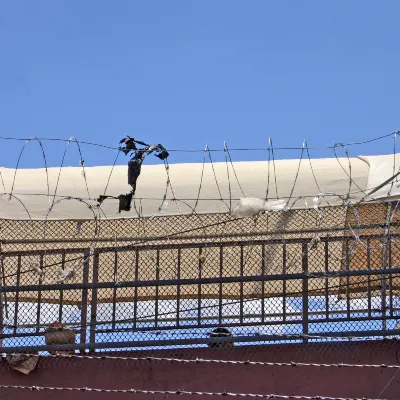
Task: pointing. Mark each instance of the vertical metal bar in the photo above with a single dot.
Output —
(61, 302)
(39, 302)
(221, 259)
(304, 263)
(5, 309)
(369, 276)
(390, 279)
(84, 307)
(1, 319)
(241, 283)
(384, 264)
(93, 307)
(284, 270)
(135, 300)
(263, 283)
(347, 278)
(157, 288)
(326, 259)
(200, 267)
(178, 290)
(114, 310)
(2, 302)
(17, 295)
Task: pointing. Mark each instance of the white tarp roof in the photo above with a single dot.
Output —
(330, 175)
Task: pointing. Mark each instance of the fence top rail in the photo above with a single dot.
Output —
(197, 236)
(197, 281)
(142, 246)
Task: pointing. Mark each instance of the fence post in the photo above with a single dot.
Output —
(386, 244)
(93, 306)
(304, 264)
(1, 319)
(86, 263)
(3, 298)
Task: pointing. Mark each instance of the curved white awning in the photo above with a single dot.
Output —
(30, 192)
(76, 191)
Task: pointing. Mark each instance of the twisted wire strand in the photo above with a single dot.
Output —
(177, 392)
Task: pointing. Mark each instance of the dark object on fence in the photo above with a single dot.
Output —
(125, 201)
(218, 333)
(24, 363)
(136, 161)
(134, 167)
(58, 333)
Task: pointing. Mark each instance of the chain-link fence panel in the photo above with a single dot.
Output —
(322, 277)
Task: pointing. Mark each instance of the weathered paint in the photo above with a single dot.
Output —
(160, 375)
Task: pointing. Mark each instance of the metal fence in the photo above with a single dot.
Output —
(331, 283)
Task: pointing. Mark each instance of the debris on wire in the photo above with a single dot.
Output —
(250, 207)
(163, 208)
(125, 202)
(24, 363)
(136, 161)
(79, 226)
(35, 266)
(135, 167)
(66, 274)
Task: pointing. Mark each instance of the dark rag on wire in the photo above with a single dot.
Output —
(135, 166)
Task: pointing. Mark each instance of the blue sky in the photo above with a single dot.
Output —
(190, 73)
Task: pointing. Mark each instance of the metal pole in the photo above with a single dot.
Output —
(384, 264)
(93, 306)
(1, 318)
(304, 262)
(3, 297)
(84, 306)
(380, 187)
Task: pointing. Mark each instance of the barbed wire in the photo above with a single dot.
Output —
(270, 150)
(212, 361)
(178, 392)
(213, 150)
